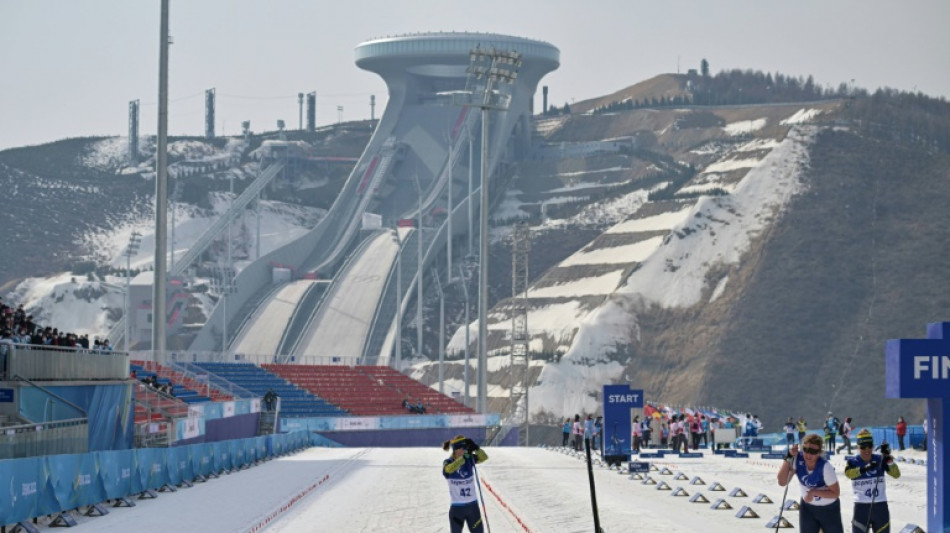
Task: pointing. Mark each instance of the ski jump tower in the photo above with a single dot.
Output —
(424, 69)
(434, 80)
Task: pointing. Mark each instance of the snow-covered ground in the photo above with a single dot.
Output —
(525, 489)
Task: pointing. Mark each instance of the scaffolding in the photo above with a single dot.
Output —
(520, 358)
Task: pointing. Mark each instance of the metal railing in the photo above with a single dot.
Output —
(64, 429)
(36, 362)
(45, 438)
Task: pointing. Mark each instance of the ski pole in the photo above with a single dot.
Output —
(481, 497)
(877, 480)
(778, 523)
(867, 525)
(593, 492)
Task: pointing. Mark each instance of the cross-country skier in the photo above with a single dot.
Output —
(790, 432)
(819, 508)
(845, 431)
(802, 428)
(866, 472)
(459, 472)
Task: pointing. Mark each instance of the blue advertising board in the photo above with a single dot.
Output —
(920, 368)
(618, 401)
(638, 467)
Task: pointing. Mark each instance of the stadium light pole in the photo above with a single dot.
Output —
(487, 67)
(161, 195)
(471, 174)
(134, 240)
(448, 240)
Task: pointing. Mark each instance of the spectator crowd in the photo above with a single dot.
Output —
(19, 327)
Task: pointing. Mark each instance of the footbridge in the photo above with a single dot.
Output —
(344, 301)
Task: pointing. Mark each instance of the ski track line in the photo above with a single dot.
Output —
(505, 506)
(289, 504)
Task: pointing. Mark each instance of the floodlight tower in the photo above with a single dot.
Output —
(134, 240)
(487, 69)
(161, 195)
(133, 132)
(209, 113)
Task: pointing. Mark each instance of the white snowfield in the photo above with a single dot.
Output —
(525, 489)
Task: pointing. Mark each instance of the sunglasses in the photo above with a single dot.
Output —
(811, 451)
(865, 446)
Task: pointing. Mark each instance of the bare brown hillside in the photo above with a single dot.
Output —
(662, 86)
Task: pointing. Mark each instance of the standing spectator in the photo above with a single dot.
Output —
(675, 433)
(684, 434)
(802, 428)
(589, 431)
(636, 436)
(664, 434)
(599, 434)
(459, 472)
(566, 430)
(831, 428)
(704, 423)
(648, 433)
(789, 433)
(866, 472)
(578, 430)
(747, 428)
(845, 431)
(901, 431)
(695, 430)
(819, 508)
(6, 344)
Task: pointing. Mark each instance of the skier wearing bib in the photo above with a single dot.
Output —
(459, 472)
(819, 508)
(866, 472)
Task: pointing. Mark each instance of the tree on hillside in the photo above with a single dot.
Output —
(704, 68)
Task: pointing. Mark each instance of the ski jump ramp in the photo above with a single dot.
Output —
(419, 140)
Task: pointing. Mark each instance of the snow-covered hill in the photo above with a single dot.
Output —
(663, 239)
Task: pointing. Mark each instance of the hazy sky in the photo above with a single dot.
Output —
(68, 68)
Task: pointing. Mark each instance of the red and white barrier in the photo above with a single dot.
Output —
(287, 506)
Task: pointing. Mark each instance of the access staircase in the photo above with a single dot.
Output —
(184, 387)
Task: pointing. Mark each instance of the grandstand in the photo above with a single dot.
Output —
(367, 390)
(294, 401)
